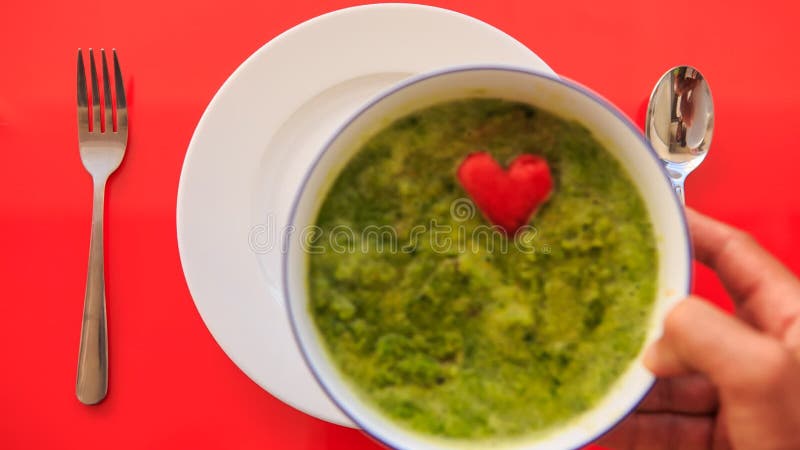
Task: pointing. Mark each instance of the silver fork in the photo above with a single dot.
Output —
(102, 146)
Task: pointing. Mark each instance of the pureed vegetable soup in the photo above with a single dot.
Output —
(454, 329)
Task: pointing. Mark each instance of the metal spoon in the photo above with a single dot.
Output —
(680, 122)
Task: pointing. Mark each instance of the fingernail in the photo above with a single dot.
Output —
(650, 357)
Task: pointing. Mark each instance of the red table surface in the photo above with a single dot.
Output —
(171, 386)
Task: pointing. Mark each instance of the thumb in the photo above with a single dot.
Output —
(699, 337)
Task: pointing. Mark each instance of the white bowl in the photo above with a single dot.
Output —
(563, 98)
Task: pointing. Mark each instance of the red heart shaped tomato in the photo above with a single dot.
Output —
(507, 198)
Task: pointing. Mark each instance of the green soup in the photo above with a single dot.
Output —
(455, 331)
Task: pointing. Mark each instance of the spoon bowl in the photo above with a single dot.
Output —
(680, 122)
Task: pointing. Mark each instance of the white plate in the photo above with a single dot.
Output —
(257, 138)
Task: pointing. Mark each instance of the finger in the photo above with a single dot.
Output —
(660, 432)
(721, 439)
(690, 394)
(792, 338)
(756, 375)
(765, 291)
(699, 337)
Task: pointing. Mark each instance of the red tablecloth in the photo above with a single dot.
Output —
(171, 385)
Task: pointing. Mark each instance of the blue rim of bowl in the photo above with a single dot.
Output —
(570, 84)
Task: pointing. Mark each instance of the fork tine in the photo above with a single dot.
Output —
(96, 113)
(83, 95)
(119, 87)
(108, 112)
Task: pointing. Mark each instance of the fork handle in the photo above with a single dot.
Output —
(92, 382)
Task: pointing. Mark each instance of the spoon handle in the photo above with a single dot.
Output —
(678, 186)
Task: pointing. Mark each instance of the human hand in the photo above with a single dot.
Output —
(724, 382)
